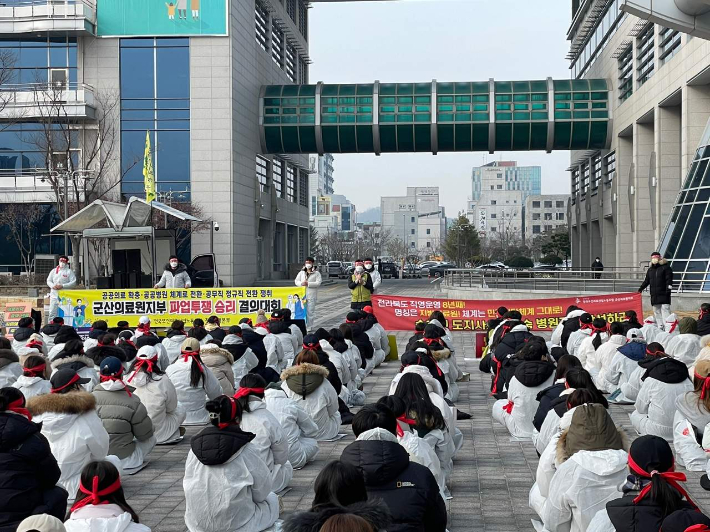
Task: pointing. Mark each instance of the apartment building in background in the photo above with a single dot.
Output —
(417, 219)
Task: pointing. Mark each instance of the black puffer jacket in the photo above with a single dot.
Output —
(643, 516)
(658, 278)
(571, 325)
(545, 398)
(22, 334)
(256, 342)
(533, 373)
(704, 325)
(408, 489)
(213, 446)
(417, 337)
(98, 353)
(95, 333)
(217, 333)
(628, 325)
(66, 333)
(51, 329)
(502, 361)
(28, 473)
(362, 341)
(665, 369)
(374, 511)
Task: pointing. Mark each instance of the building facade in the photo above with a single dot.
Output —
(417, 219)
(334, 213)
(623, 197)
(544, 214)
(189, 80)
(320, 181)
(498, 214)
(505, 175)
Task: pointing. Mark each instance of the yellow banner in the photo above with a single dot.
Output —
(148, 174)
(81, 308)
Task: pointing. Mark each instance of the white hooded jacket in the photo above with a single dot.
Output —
(63, 276)
(575, 341)
(275, 356)
(103, 518)
(32, 386)
(421, 452)
(193, 399)
(342, 367)
(684, 347)
(75, 433)
(247, 362)
(587, 354)
(524, 398)
(271, 442)
(604, 355)
(655, 407)
(556, 338)
(299, 428)
(690, 418)
(172, 346)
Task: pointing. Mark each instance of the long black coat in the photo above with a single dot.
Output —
(640, 517)
(658, 278)
(28, 473)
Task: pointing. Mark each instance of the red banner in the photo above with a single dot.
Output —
(396, 313)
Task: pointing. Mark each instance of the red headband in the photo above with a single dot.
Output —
(187, 354)
(233, 401)
(584, 326)
(72, 381)
(429, 341)
(95, 495)
(144, 327)
(698, 528)
(703, 313)
(671, 477)
(35, 371)
(310, 346)
(144, 362)
(17, 407)
(404, 419)
(243, 392)
(350, 321)
(35, 343)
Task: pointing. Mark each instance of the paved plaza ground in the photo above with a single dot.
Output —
(492, 474)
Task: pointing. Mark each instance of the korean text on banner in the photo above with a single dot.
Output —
(400, 313)
(81, 308)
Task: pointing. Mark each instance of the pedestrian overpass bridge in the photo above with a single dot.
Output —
(436, 116)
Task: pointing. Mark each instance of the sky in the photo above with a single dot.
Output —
(446, 40)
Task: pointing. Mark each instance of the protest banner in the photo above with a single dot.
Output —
(81, 308)
(397, 313)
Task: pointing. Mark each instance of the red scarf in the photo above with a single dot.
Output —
(243, 392)
(149, 362)
(404, 419)
(35, 344)
(264, 325)
(698, 528)
(706, 385)
(674, 324)
(117, 378)
(192, 354)
(95, 495)
(144, 328)
(233, 401)
(429, 341)
(670, 476)
(128, 341)
(17, 406)
(36, 371)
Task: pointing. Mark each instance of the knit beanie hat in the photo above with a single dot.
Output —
(261, 317)
(688, 325)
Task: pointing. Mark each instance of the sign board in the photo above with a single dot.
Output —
(13, 313)
(151, 18)
(482, 219)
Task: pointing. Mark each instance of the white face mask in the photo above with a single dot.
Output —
(173, 264)
(368, 266)
(654, 261)
(308, 265)
(358, 269)
(63, 265)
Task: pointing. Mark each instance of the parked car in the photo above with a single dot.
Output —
(335, 268)
(438, 271)
(425, 265)
(492, 266)
(389, 270)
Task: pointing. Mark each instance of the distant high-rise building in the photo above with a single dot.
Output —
(320, 181)
(506, 175)
(417, 219)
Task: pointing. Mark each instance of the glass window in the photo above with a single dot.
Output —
(536, 216)
(428, 231)
(277, 176)
(686, 243)
(303, 19)
(303, 189)
(536, 204)
(596, 171)
(277, 44)
(493, 202)
(411, 231)
(548, 204)
(626, 82)
(261, 17)
(560, 216)
(536, 229)
(560, 204)
(290, 183)
(494, 216)
(548, 216)
(609, 169)
(669, 45)
(262, 173)
(412, 219)
(645, 55)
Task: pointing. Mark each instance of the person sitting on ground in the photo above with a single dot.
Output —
(649, 329)
(339, 488)
(281, 329)
(199, 332)
(572, 311)
(220, 361)
(622, 365)
(439, 350)
(100, 502)
(691, 417)
(98, 328)
(422, 356)
(275, 356)
(71, 425)
(28, 471)
(503, 327)
(686, 520)
(154, 341)
(194, 382)
(293, 326)
(35, 345)
(586, 352)
(704, 353)
(604, 355)
(227, 485)
(105, 347)
(340, 363)
(484, 366)
(374, 332)
(214, 328)
(703, 326)
(354, 351)
(514, 334)
(591, 465)
(306, 382)
(570, 325)
(354, 331)
(632, 387)
(33, 380)
(686, 345)
(125, 343)
(41, 523)
(575, 379)
(124, 417)
(143, 328)
(549, 394)
(311, 342)
(586, 328)
(669, 330)
(49, 331)
(419, 450)
(72, 356)
(631, 321)
(408, 489)
(21, 335)
(244, 358)
(651, 493)
(664, 380)
(157, 393)
(299, 428)
(65, 333)
(10, 368)
(351, 363)
(418, 335)
(534, 374)
(271, 440)
(255, 342)
(437, 318)
(174, 338)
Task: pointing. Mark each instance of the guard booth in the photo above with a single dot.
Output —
(138, 250)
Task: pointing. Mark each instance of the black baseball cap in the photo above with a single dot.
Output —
(65, 377)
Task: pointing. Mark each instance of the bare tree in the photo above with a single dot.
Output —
(508, 235)
(397, 248)
(182, 229)
(376, 240)
(22, 222)
(10, 115)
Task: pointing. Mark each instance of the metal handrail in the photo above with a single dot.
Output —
(27, 87)
(32, 3)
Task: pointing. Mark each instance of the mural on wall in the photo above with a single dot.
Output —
(161, 17)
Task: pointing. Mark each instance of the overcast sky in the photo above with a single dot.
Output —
(447, 40)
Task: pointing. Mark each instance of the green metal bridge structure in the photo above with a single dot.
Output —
(539, 115)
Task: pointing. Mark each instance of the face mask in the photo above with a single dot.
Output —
(309, 265)
(173, 264)
(368, 266)
(358, 269)
(654, 261)
(598, 260)
(63, 265)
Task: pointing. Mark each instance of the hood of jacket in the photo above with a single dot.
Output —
(440, 353)
(22, 334)
(209, 327)
(634, 350)
(95, 333)
(76, 361)
(99, 352)
(378, 457)
(66, 333)
(7, 356)
(591, 429)
(176, 336)
(51, 329)
(693, 410)
(553, 392)
(14, 429)
(279, 327)
(232, 339)
(374, 511)
(305, 378)
(78, 402)
(198, 332)
(666, 369)
(215, 354)
(213, 446)
(180, 268)
(532, 373)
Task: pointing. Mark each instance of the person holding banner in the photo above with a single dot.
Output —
(60, 278)
(311, 278)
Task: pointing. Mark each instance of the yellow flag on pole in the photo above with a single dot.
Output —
(148, 174)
